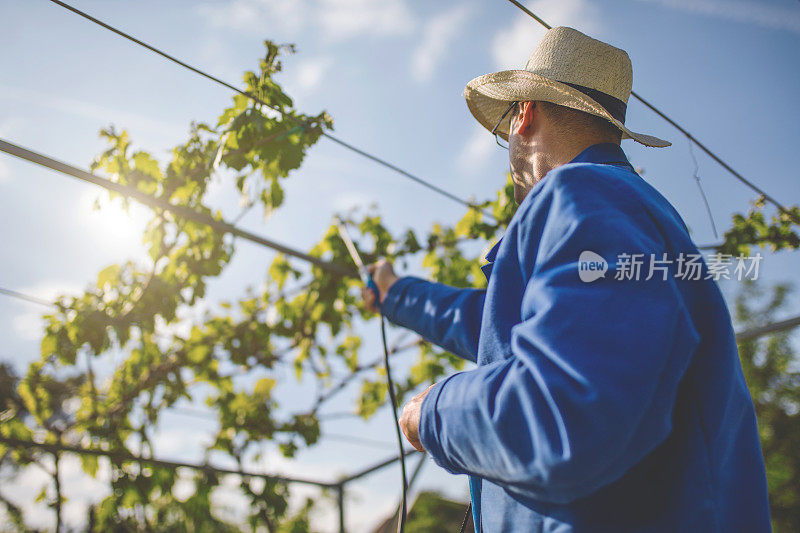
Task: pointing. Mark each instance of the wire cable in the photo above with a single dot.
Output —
(702, 192)
(414, 476)
(681, 129)
(466, 518)
(215, 79)
(392, 398)
(741, 336)
(754, 333)
(397, 169)
(120, 455)
(371, 286)
(348, 439)
(401, 525)
(158, 203)
(26, 297)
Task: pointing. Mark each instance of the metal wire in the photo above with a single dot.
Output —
(741, 336)
(158, 203)
(683, 130)
(702, 192)
(215, 79)
(26, 297)
(127, 456)
(393, 399)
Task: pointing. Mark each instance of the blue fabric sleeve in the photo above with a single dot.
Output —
(589, 387)
(443, 315)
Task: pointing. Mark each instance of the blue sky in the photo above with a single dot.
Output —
(391, 73)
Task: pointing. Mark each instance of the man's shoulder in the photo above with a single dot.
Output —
(596, 186)
(600, 202)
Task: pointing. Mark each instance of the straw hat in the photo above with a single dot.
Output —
(567, 68)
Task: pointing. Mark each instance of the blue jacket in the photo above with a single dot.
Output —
(607, 405)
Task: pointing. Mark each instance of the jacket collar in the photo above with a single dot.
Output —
(603, 153)
(490, 257)
(493, 251)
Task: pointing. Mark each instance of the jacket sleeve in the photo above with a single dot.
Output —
(443, 315)
(589, 387)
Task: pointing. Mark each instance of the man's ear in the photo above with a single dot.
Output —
(525, 117)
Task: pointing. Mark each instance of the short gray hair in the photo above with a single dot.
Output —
(569, 120)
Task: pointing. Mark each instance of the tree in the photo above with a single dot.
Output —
(772, 371)
(303, 317)
(754, 229)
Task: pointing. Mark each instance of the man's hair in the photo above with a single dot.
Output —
(569, 121)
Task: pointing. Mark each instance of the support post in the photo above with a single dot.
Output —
(340, 498)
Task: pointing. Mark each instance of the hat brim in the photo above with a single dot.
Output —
(489, 96)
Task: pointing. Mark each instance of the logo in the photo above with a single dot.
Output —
(591, 266)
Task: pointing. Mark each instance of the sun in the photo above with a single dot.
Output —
(111, 227)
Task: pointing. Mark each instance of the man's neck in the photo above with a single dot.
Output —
(558, 154)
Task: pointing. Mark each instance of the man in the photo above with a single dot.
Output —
(608, 394)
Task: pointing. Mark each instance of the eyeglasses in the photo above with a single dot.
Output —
(502, 143)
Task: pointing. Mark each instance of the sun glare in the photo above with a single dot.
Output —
(114, 229)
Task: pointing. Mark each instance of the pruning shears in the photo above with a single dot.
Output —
(366, 278)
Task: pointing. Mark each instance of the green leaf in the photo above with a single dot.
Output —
(199, 353)
(90, 464)
(264, 387)
(49, 345)
(107, 276)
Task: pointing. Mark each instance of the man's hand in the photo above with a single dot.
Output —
(409, 420)
(383, 275)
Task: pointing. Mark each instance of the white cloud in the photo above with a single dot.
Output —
(437, 35)
(476, 151)
(336, 19)
(254, 15)
(350, 18)
(780, 17)
(312, 71)
(513, 45)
